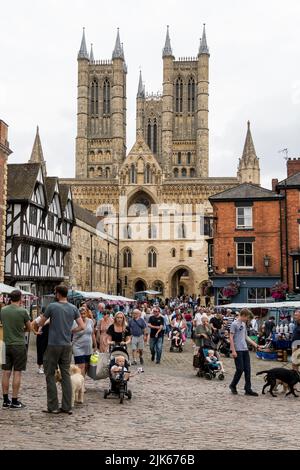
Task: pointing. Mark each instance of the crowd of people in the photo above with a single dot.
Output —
(62, 331)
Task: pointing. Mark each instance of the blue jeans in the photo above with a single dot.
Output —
(242, 364)
(189, 326)
(156, 347)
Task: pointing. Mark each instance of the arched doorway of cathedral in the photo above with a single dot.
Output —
(139, 202)
(182, 281)
(140, 285)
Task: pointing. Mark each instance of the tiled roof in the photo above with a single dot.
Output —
(293, 180)
(245, 191)
(21, 180)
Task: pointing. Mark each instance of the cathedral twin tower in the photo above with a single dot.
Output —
(174, 124)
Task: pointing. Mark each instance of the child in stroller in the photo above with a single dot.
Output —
(208, 364)
(119, 373)
(176, 340)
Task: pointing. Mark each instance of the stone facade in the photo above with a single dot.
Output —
(4, 152)
(166, 171)
(92, 262)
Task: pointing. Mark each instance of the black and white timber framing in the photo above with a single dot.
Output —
(40, 218)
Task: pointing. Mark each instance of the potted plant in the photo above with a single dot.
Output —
(278, 291)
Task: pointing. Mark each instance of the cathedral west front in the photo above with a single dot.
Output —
(154, 198)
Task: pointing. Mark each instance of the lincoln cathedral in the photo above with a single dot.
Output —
(163, 179)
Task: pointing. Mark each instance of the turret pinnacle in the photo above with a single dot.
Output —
(83, 54)
(203, 49)
(248, 169)
(141, 88)
(167, 50)
(118, 50)
(92, 54)
(37, 152)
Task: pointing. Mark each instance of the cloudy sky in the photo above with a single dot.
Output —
(254, 71)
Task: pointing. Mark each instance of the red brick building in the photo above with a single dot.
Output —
(245, 250)
(4, 152)
(289, 189)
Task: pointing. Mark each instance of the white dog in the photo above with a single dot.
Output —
(77, 381)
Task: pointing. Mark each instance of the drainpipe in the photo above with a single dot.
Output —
(280, 240)
(286, 236)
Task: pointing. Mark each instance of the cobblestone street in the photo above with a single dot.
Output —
(171, 408)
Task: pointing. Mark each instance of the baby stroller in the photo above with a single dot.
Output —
(205, 369)
(118, 385)
(176, 340)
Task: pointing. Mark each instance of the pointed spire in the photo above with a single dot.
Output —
(83, 54)
(118, 50)
(92, 54)
(141, 88)
(37, 152)
(248, 168)
(203, 49)
(167, 50)
(249, 149)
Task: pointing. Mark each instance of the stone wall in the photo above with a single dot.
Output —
(91, 265)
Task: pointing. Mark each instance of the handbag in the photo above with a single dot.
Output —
(99, 366)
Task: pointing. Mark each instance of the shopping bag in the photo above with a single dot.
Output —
(99, 366)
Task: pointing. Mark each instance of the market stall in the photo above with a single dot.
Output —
(279, 346)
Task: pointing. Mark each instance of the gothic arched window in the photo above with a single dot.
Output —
(191, 95)
(132, 174)
(178, 95)
(173, 252)
(179, 158)
(181, 231)
(188, 158)
(149, 134)
(192, 172)
(107, 172)
(152, 258)
(127, 232)
(152, 231)
(106, 97)
(147, 174)
(127, 258)
(176, 172)
(94, 97)
(154, 146)
(183, 173)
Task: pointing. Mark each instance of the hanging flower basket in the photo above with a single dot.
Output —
(231, 290)
(278, 291)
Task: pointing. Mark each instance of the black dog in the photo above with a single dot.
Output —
(279, 374)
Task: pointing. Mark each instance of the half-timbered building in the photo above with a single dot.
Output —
(40, 218)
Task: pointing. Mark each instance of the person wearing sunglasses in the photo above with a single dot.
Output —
(119, 332)
(239, 341)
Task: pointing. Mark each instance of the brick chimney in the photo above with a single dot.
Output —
(292, 166)
(274, 183)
